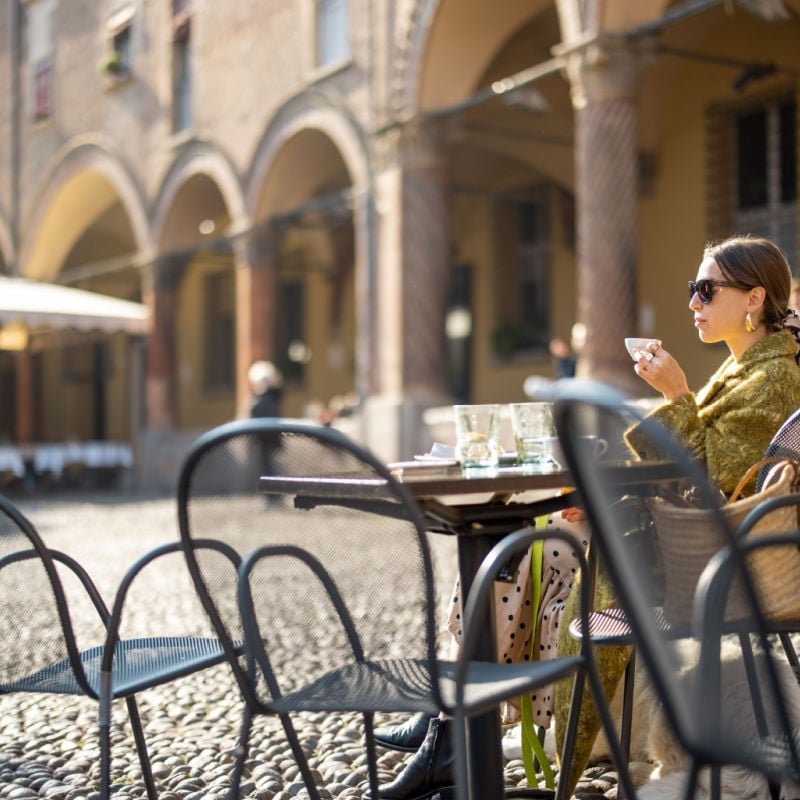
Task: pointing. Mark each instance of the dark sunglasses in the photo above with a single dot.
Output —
(704, 289)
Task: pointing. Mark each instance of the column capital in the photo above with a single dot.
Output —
(168, 269)
(261, 244)
(602, 67)
(417, 144)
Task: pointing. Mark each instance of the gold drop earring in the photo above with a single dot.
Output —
(748, 323)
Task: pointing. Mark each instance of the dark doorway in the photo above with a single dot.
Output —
(458, 330)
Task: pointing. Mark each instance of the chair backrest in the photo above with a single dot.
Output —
(785, 444)
(699, 679)
(267, 482)
(35, 626)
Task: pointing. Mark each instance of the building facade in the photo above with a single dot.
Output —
(398, 201)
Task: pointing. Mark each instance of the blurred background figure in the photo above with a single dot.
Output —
(266, 385)
(563, 359)
(794, 297)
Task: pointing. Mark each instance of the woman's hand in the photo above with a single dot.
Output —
(658, 368)
(573, 514)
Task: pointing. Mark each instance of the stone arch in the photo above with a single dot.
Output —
(83, 163)
(310, 111)
(316, 125)
(445, 46)
(414, 22)
(193, 159)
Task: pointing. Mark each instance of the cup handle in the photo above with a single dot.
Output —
(600, 447)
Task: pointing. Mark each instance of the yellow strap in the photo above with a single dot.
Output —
(532, 749)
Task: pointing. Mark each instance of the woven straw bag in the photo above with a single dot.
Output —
(686, 539)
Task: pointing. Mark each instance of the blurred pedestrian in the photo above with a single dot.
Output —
(266, 385)
(563, 359)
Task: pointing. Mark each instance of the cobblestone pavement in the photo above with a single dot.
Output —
(48, 744)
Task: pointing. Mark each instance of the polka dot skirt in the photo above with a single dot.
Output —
(514, 613)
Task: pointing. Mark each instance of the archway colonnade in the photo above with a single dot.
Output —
(490, 163)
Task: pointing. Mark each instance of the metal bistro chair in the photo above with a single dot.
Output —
(48, 604)
(334, 551)
(689, 676)
(785, 444)
(609, 627)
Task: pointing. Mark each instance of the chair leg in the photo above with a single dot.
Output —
(242, 751)
(753, 680)
(691, 780)
(104, 734)
(372, 762)
(571, 734)
(791, 653)
(716, 782)
(627, 706)
(141, 748)
(460, 748)
(625, 787)
(299, 756)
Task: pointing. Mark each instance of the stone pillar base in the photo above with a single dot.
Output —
(393, 426)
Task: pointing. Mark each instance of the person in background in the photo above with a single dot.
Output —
(266, 385)
(563, 359)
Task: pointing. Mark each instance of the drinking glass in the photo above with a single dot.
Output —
(532, 424)
(477, 428)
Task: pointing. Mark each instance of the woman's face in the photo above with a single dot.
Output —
(721, 320)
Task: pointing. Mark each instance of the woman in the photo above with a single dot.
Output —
(740, 297)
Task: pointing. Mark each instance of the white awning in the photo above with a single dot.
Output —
(46, 305)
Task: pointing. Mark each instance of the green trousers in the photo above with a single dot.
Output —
(611, 662)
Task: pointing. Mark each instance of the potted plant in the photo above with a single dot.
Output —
(112, 64)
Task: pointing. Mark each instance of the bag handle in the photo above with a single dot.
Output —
(752, 471)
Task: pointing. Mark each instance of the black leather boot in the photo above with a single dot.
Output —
(430, 771)
(406, 737)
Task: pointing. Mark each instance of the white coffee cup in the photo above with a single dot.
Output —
(637, 347)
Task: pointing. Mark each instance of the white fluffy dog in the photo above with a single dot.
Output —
(652, 739)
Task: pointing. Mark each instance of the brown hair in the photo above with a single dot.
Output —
(750, 261)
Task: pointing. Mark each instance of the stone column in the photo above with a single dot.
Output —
(24, 400)
(257, 254)
(413, 213)
(425, 243)
(161, 296)
(603, 75)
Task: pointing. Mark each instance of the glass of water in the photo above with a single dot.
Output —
(532, 424)
(477, 429)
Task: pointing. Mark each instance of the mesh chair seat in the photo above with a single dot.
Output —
(404, 684)
(610, 626)
(487, 684)
(138, 664)
(387, 685)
